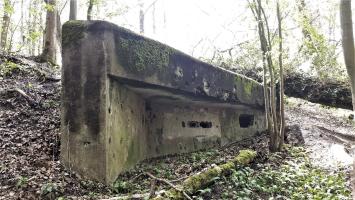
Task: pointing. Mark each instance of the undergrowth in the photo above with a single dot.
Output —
(294, 178)
(289, 174)
(7, 68)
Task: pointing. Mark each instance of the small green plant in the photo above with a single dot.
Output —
(50, 104)
(205, 191)
(49, 190)
(8, 68)
(29, 85)
(121, 187)
(22, 182)
(92, 195)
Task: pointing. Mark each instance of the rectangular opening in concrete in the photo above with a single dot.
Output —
(197, 124)
(246, 120)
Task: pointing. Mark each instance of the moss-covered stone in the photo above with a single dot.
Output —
(141, 55)
(73, 31)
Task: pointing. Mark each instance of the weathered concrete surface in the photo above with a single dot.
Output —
(126, 98)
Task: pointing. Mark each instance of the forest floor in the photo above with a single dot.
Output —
(314, 165)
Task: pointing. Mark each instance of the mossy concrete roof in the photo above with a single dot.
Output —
(160, 71)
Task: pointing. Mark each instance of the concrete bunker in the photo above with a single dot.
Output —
(126, 98)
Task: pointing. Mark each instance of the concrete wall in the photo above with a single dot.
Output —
(119, 107)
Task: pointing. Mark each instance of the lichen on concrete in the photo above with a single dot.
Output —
(73, 31)
(247, 85)
(143, 55)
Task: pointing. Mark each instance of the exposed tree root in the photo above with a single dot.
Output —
(341, 136)
(29, 99)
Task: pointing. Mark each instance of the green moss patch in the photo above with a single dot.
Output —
(7, 68)
(73, 31)
(139, 55)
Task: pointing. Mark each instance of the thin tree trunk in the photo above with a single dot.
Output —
(348, 43)
(29, 29)
(141, 17)
(34, 27)
(282, 106)
(5, 25)
(272, 76)
(22, 27)
(40, 39)
(73, 10)
(256, 12)
(89, 13)
(305, 19)
(49, 53)
(272, 102)
(270, 98)
(153, 16)
(349, 56)
(12, 32)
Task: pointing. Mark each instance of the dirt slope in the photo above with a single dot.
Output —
(328, 132)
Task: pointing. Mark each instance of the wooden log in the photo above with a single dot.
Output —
(198, 181)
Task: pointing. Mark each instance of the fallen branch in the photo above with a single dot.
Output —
(170, 184)
(136, 177)
(153, 187)
(29, 99)
(132, 196)
(196, 182)
(179, 179)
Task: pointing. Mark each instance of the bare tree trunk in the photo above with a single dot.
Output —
(22, 27)
(305, 19)
(141, 17)
(282, 106)
(270, 96)
(12, 31)
(34, 26)
(5, 25)
(89, 13)
(49, 53)
(267, 55)
(73, 10)
(348, 43)
(58, 34)
(40, 39)
(153, 16)
(29, 27)
(349, 55)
